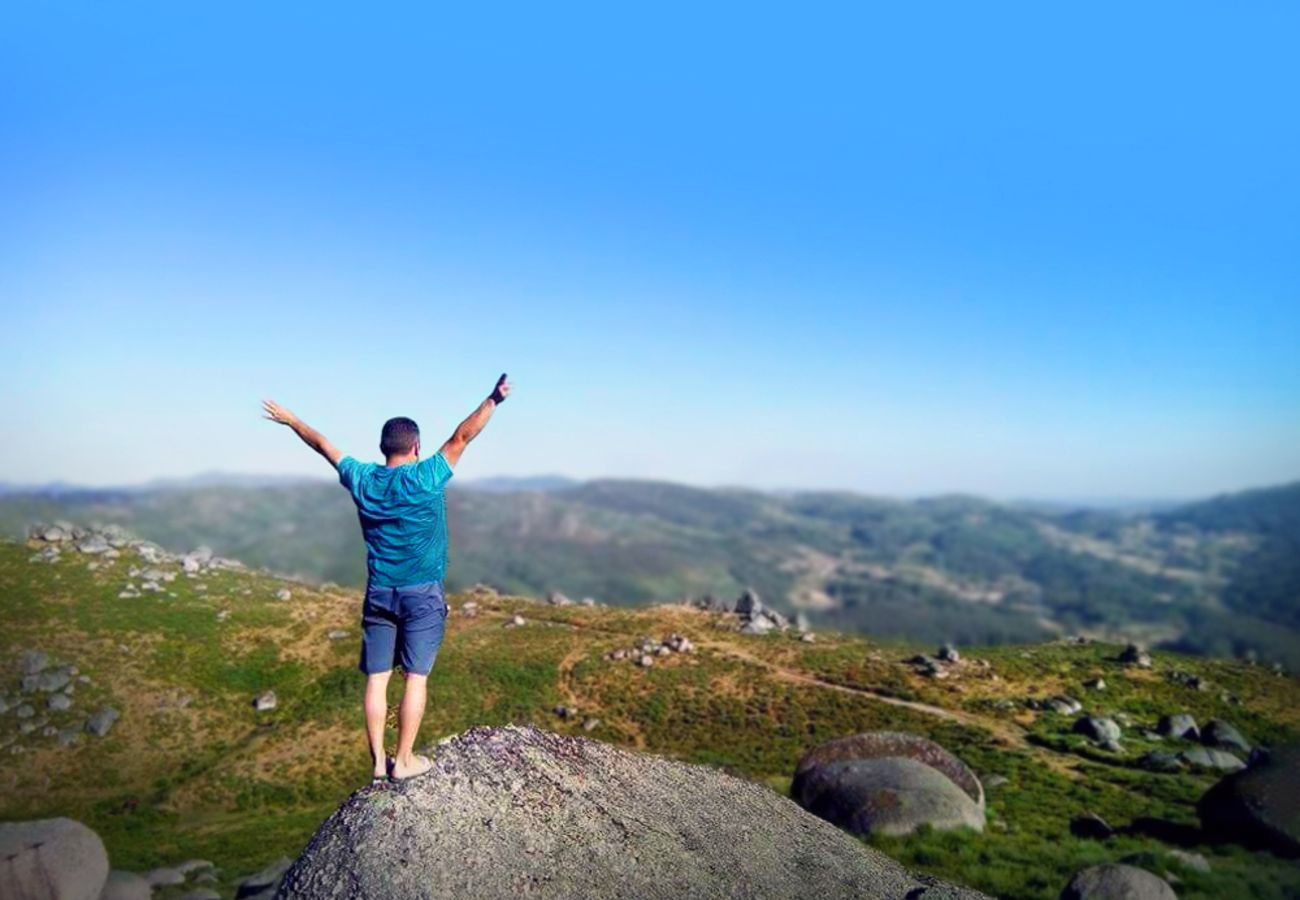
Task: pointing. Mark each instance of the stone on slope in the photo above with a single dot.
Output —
(1218, 733)
(1092, 826)
(889, 795)
(1179, 725)
(33, 661)
(265, 882)
(1258, 806)
(51, 858)
(266, 701)
(1135, 655)
(1117, 882)
(125, 886)
(101, 722)
(881, 744)
(1100, 730)
(510, 811)
(1210, 758)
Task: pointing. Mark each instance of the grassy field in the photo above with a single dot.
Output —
(191, 770)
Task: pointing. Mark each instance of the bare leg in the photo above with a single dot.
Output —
(406, 763)
(376, 712)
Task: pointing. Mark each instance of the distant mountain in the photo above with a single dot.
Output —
(506, 483)
(1217, 576)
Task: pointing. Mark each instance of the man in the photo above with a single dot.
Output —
(404, 524)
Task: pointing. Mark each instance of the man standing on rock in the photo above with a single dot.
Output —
(404, 524)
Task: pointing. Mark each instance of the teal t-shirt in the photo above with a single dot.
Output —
(403, 518)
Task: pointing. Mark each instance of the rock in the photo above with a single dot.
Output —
(711, 603)
(48, 681)
(1179, 725)
(51, 858)
(618, 654)
(646, 661)
(32, 662)
(25, 711)
(283, 594)
(801, 623)
(1161, 761)
(1092, 826)
(1098, 729)
(748, 606)
(59, 702)
(555, 598)
(1210, 758)
(125, 886)
(590, 724)
(1259, 806)
(1095, 684)
(808, 637)
(992, 782)
(1135, 655)
(561, 711)
(94, 544)
(510, 811)
(265, 702)
(266, 880)
(517, 620)
(1117, 882)
(1218, 733)
(102, 721)
(337, 634)
(1066, 706)
(1189, 860)
(948, 653)
(888, 795)
(68, 737)
(875, 783)
(163, 877)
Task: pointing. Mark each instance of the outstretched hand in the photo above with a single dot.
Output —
(502, 390)
(277, 413)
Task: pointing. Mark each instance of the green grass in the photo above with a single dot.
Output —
(217, 780)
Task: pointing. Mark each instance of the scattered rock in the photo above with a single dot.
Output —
(516, 810)
(808, 637)
(102, 721)
(948, 653)
(163, 877)
(125, 886)
(337, 634)
(1117, 882)
(1066, 706)
(51, 858)
(1095, 684)
(265, 702)
(1092, 826)
(517, 620)
(991, 782)
(1161, 761)
(283, 594)
(268, 880)
(32, 662)
(59, 702)
(1189, 860)
(590, 724)
(555, 598)
(1218, 733)
(1098, 729)
(1135, 655)
(1259, 806)
(25, 711)
(1179, 725)
(1210, 758)
(646, 661)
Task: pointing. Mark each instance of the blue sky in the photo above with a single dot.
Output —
(1013, 249)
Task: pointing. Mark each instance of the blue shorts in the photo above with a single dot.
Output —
(403, 625)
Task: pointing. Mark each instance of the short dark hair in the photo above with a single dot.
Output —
(399, 436)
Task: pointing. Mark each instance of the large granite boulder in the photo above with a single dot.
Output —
(510, 811)
(1117, 882)
(1259, 806)
(51, 859)
(888, 782)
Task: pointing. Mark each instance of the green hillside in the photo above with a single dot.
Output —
(1218, 577)
(192, 770)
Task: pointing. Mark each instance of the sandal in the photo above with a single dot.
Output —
(377, 780)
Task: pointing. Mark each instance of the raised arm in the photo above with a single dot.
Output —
(310, 436)
(468, 430)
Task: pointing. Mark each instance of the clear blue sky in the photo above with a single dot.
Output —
(1022, 250)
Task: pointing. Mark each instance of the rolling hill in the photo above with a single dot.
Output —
(1219, 577)
(192, 769)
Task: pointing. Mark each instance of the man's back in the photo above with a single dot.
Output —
(403, 518)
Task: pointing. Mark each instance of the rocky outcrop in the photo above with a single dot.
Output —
(510, 811)
(1259, 806)
(51, 858)
(888, 782)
